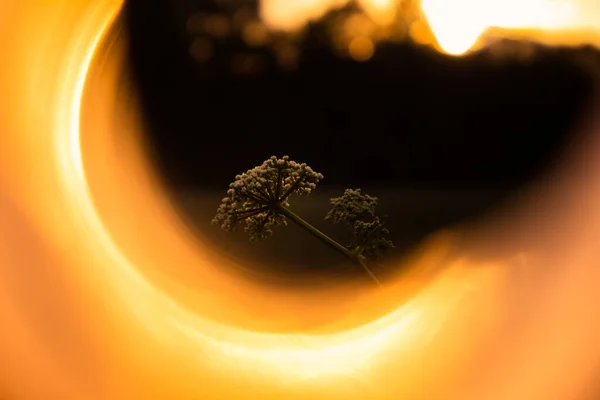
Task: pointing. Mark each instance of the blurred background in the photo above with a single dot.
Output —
(440, 140)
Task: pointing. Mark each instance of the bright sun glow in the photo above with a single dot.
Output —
(105, 295)
(456, 26)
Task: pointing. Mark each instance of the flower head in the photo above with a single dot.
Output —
(373, 238)
(254, 197)
(357, 211)
(353, 205)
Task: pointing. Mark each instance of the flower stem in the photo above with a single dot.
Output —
(361, 262)
(314, 231)
(355, 257)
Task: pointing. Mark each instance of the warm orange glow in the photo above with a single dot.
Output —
(255, 34)
(381, 11)
(361, 48)
(105, 294)
(458, 26)
(287, 15)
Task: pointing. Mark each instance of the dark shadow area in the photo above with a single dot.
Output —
(440, 140)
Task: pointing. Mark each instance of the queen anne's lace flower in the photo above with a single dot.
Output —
(356, 210)
(372, 237)
(254, 198)
(258, 200)
(353, 205)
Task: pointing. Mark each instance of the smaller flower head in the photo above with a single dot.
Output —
(373, 238)
(357, 211)
(353, 205)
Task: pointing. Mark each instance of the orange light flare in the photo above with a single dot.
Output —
(460, 26)
(105, 293)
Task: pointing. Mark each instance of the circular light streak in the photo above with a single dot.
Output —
(107, 232)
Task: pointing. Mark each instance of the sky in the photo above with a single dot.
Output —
(409, 117)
